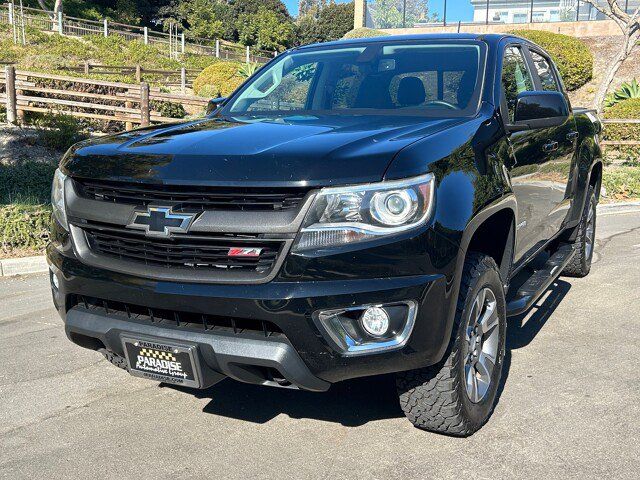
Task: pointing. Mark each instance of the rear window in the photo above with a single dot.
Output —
(431, 79)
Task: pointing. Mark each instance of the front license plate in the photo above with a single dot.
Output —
(163, 362)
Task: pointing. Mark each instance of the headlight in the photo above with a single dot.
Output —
(57, 199)
(346, 215)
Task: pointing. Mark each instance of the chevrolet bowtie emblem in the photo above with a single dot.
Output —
(161, 221)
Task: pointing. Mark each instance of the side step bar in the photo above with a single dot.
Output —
(539, 282)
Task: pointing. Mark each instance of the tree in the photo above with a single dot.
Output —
(252, 6)
(326, 24)
(629, 23)
(200, 18)
(400, 14)
(335, 20)
(265, 30)
(57, 8)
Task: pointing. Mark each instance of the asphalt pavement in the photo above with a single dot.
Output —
(569, 408)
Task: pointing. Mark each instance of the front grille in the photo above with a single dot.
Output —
(190, 197)
(180, 319)
(185, 251)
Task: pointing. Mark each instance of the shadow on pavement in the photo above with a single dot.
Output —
(522, 329)
(355, 402)
(351, 403)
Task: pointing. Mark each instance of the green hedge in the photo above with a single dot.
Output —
(28, 182)
(622, 182)
(218, 80)
(572, 56)
(364, 33)
(626, 109)
(24, 228)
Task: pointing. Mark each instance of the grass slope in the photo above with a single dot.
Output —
(53, 53)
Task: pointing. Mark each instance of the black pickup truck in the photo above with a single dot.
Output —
(355, 208)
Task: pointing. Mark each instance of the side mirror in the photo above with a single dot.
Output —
(539, 110)
(214, 104)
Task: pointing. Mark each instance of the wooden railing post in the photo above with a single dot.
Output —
(146, 35)
(128, 125)
(106, 27)
(145, 112)
(12, 105)
(138, 73)
(87, 67)
(183, 79)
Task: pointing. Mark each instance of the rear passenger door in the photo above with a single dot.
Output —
(555, 173)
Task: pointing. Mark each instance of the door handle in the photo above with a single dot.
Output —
(550, 147)
(571, 136)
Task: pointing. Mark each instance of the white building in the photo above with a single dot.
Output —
(520, 11)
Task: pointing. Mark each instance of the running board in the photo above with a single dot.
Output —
(539, 282)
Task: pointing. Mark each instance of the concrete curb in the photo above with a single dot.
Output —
(22, 266)
(619, 207)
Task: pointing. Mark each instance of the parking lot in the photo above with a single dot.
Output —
(570, 407)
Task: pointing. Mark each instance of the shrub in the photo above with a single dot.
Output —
(248, 69)
(28, 182)
(627, 91)
(24, 227)
(626, 109)
(169, 109)
(59, 131)
(571, 55)
(622, 182)
(364, 33)
(220, 78)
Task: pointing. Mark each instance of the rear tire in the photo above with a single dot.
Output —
(442, 398)
(584, 244)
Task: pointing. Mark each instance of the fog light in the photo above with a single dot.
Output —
(363, 329)
(375, 321)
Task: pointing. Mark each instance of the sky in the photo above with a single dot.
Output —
(456, 9)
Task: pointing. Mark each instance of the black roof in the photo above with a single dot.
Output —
(490, 38)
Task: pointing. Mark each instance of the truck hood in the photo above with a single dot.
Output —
(291, 151)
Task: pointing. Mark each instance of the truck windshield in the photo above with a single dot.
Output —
(429, 78)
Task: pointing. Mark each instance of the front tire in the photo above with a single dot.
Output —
(584, 244)
(457, 396)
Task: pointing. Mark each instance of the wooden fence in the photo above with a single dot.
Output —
(131, 104)
(183, 78)
(620, 143)
(173, 43)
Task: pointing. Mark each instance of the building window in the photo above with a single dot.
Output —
(520, 18)
(538, 17)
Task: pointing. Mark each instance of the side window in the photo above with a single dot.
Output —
(515, 77)
(545, 72)
(290, 93)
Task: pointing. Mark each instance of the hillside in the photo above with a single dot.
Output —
(49, 52)
(603, 50)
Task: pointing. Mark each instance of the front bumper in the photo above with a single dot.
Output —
(301, 354)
